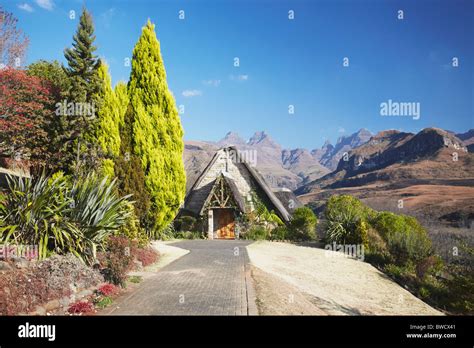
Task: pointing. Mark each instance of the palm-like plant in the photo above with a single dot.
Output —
(35, 213)
(97, 211)
(61, 216)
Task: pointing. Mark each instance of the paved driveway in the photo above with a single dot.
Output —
(210, 280)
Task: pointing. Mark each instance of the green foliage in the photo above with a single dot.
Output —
(82, 63)
(400, 273)
(134, 279)
(156, 130)
(376, 251)
(166, 233)
(256, 232)
(132, 229)
(37, 213)
(107, 131)
(97, 210)
(103, 301)
(279, 233)
(53, 73)
(346, 220)
(189, 235)
(263, 216)
(131, 176)
(185, 223)
(81, 153)
(61, 216)
(303, 224)
(121, 94)
(406, 239)
(459, 295)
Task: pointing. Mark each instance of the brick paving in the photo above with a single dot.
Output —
(209, 280)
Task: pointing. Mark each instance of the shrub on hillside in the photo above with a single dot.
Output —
(132, 229)
(346, 220)
(117, 260)
(406, 239)
(146, 256)
(107, 289)
(166, 233)
(302, 225)
(185, 223)
(21, 290)
(256, 233)
(81, 307)
(376, 251)
(279, 233)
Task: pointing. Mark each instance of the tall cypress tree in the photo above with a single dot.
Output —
(130, 174)
(156, 128)
(106, 133)
(121, 93)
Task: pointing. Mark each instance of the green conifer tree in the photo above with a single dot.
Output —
(82, 63)
(84, 86)
(106, 134)
(130, 174)
(156, 129)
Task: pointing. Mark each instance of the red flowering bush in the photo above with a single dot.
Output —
(117, 260)
(107, 289)
(81, 307)
(146, 256)
(22, 290)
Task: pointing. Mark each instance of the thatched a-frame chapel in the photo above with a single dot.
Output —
(227, 189)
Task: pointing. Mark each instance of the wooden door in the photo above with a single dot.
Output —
(225, 223)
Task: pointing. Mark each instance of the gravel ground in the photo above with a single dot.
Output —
(277, 297)
(334, 285)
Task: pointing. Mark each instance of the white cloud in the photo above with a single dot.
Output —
(46, 4)
(214, 83)
(106, 17)
(191, 93)
(239, 77)
(341, 130)
(25, 7)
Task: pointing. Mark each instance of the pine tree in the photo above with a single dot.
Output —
(83, 64)
(156, 128)
(84, 86)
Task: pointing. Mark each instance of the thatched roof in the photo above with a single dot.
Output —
(195, 199)
(288, 199)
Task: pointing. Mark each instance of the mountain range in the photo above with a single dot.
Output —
(431, 154)
(298, 169)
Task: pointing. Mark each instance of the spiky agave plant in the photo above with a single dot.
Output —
(97, 211)
(35, 212)
(61, 216)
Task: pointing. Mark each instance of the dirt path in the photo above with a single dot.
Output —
(333, 285)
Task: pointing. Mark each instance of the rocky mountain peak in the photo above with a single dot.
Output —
(231, 138)
(262, 139)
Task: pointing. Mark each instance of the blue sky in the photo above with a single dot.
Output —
(285, 62)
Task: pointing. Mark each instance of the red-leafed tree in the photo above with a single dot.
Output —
(26, 110)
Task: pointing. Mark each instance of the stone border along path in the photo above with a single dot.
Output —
(212, 279)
